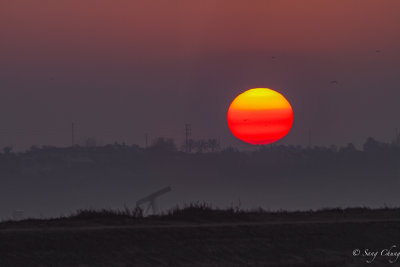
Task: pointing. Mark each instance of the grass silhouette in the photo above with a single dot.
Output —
(199, 234)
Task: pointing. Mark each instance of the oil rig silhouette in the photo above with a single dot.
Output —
(152, 200)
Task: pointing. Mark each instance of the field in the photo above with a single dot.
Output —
(202, 236)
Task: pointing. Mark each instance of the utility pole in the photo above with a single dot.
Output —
(188, 133)
(73, 134)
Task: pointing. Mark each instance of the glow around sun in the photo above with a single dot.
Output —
(260, 116)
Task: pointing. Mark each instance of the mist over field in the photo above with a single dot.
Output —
(52, 181)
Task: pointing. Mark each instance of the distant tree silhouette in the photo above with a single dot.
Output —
(333, 148)
(90, 142)
(348, 148)
(201, 146)
(34, 148)
(230, 149)
(213, 144)
(7, 149)
(190, 145)
(371, 145)
(163, 145)
(396, 141)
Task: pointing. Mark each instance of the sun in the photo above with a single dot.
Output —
(260, 116)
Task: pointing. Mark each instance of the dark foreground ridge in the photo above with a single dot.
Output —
(199, 235)
(203, 213)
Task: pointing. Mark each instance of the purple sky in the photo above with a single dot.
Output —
(119, 69)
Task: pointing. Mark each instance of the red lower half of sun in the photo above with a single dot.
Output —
(260, 120)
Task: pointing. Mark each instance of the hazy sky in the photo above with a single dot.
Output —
(119, 69)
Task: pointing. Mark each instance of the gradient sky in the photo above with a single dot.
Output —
(119, 69)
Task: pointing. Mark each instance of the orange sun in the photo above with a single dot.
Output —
(260, 116)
